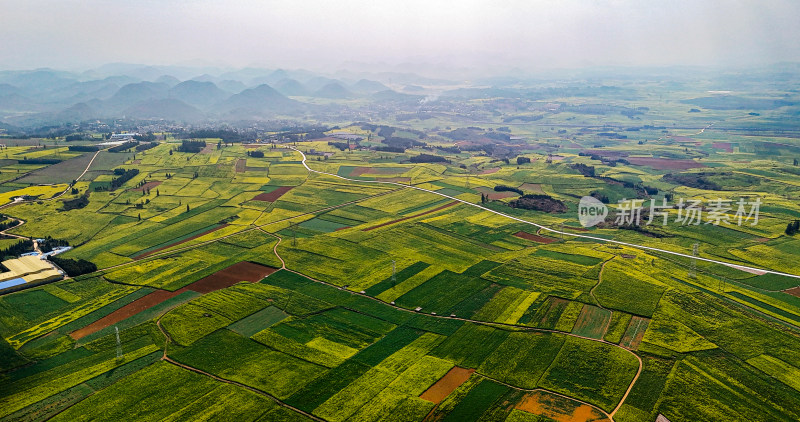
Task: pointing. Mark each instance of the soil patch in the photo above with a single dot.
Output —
(794, 291)
(242, 271)
(490, 171)
(411, 216)
(535, 237)
(725, 146)
(558, 408)
(272, 196)
(148, 185)
(241, 165)
(447, 384)
(532, 187)
(664, 163)
(209, 148)
(494, 195)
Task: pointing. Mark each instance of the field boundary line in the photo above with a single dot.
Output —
(166, 358)
(542, 227)
(532, 390)
(489, 323)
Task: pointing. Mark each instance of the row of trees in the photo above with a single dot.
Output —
(74, 267)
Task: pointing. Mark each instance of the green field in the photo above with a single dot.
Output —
(379, 296)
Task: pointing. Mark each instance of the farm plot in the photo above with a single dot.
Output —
(229, 355)
(272, 193)
(327, 338)
(557, 408)
(447, 384)
(544, 275)
(165, 392)
(620, 284)
(258, 321)
(634, 333)
(243, 271)
(592, 322)
(442, 292)
(535, 237)
(522, 358)
(594, 372)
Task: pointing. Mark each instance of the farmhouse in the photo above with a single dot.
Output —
(28, 269)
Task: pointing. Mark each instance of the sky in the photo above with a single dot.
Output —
(326, 35)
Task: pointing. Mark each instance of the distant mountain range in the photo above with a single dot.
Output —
(169, 93)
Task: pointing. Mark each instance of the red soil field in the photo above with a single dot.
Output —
(272, 196)
(794, 291)
(558, 408)
(148, 185)
(535, 238)
(726, 146)
(146, 254)
(411, 216)
(664, 163)
(490, 171)
(209, 148)
(242, 271)
(241, 165)
(447, 384)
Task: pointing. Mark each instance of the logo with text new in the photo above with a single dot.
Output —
(591, 211)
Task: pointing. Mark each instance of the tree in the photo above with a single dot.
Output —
(792, 228)
(796, 163)
(140, 217)
(157, 193)
(187, 207)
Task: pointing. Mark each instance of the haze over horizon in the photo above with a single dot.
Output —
(473, 34)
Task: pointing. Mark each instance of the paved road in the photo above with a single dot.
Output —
(545, 228)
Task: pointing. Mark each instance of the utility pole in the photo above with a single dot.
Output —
(119, 344)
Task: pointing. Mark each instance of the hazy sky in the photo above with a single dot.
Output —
(320, 35)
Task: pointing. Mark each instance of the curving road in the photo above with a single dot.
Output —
(545, 228)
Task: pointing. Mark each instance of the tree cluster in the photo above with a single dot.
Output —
(84, 148)
(504, 188)
(17, 249)
(74, 267)
(123, 147)
(428, 158)
(124, 176)
(191, 146)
